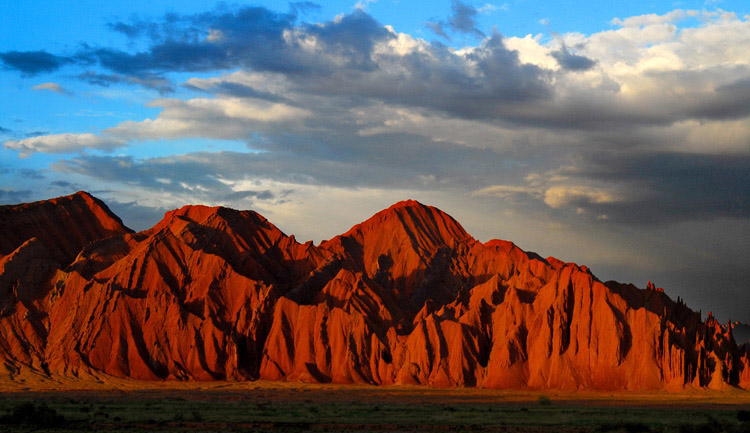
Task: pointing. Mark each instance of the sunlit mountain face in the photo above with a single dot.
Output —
(406, 297)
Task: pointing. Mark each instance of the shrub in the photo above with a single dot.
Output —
(629, 427)
(544, 400)
(30, 414)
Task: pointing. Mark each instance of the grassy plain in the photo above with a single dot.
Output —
(115, 405)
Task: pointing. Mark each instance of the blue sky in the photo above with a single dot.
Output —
(612, 134)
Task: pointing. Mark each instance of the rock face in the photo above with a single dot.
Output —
(405, 297)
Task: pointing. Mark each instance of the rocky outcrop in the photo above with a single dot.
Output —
(405, 297)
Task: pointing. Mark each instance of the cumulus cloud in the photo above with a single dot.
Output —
(352, 101)
(331, 102)
(63, 143)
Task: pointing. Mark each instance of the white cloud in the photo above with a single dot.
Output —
(363, 4)
(489, 8)
(651, 19)
(64, 143)
(220, 118)
(563, 195)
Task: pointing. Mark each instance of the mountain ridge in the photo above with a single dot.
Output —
(405, 297)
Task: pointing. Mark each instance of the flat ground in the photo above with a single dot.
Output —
(278, 406)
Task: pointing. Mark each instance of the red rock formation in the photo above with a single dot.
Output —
(64, 224)
(405, 297)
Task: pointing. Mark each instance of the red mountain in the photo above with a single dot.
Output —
(405, 297)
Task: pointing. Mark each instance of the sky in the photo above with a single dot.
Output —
(611, 135)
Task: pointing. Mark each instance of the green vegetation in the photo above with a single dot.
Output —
(326, 410)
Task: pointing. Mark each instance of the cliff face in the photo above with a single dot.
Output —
(405, 297)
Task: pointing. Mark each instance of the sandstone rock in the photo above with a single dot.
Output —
(405, 297)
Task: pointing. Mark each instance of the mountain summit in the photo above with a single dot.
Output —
(408, 296)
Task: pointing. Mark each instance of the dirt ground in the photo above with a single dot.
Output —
(107, 404)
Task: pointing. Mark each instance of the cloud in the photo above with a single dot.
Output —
(639, 189)
(565, 195)
(437, 27)
(65, 184)
(13, 196)
(655, 19)
(572, 62)
(221, 118)
(363, 4)
(352, 102)
(134, 215)
(149, 81)
(33, 62)
(489, 8)
(63, 143)
(668, 187)
(234, 88)
(35, 133)
(462, 20)
(303, 7)
(28, 173)
(53, 87)
(507, 191)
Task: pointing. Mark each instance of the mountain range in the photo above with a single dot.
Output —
(406, 297)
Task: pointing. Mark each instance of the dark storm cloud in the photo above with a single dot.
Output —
(488, 83)
(669, 187)
(729, 101)
(253, 39)
(343, 63)
(33, 62)
(572, 62)
(495, 86)
(250, 36)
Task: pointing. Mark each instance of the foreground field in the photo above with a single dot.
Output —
(263, 406)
